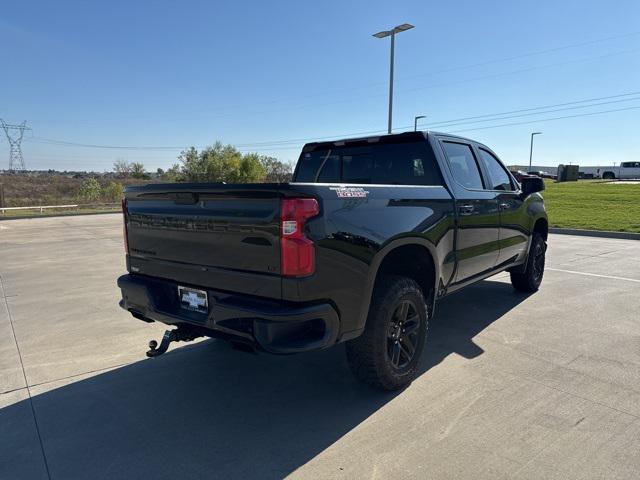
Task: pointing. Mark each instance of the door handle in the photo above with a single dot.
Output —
(465, 209)
(504, 206)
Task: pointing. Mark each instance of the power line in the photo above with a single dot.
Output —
(521, 70)
(538, 113)
(585, 114)
(531, 54)
(546, 119)
(539, 110)
(541, 107)
(492, 62)
(64, 143)
(444, 123)
(227, 110)
(445, 83)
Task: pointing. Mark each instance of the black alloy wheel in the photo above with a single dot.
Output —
(403, 332)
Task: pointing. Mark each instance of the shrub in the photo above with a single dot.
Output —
(219, 163)
(137, 170)
(90, 191)
(113, 192)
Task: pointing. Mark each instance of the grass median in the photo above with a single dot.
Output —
(594, 205)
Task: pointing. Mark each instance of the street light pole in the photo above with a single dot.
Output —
(393, 49)
(415, 122)
(531, 148)
(392, 33)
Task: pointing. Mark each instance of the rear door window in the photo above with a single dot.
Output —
(406, 164)
(463, 165)
(498, 176)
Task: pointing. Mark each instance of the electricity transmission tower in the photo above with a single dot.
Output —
(14, 135)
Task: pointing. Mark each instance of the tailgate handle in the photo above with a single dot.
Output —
(185, 198)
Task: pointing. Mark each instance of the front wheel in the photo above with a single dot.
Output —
(387, 354)
(531, 278)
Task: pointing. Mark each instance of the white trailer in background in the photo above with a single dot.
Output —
(625, 170)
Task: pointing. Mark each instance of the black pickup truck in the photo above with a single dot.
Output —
(356, 249)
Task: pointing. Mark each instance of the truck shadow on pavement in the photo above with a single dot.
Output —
(207, 411)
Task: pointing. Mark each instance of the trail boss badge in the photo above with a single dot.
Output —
(350, 192)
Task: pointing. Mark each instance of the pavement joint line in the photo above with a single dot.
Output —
(541, 451)
(26, 382)
(97, 370)
(611, 277)
(13, 390)
(543, 384)
(554, 364)
(586, 399)
(564, 367)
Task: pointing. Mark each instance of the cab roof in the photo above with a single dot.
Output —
(373, 139)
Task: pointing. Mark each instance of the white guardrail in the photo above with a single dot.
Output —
(46, 207)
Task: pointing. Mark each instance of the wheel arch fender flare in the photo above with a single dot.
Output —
(541, 216)
(377, 262)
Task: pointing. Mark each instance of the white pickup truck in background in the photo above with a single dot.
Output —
(624, 171)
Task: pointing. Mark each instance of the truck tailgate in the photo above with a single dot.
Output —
(214, 236)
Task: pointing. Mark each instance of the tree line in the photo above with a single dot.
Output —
(216, 163)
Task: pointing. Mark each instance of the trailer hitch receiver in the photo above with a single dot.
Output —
(180, 334)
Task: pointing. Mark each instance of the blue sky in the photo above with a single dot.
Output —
(172, 74)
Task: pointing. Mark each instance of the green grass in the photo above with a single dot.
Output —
(593, 205)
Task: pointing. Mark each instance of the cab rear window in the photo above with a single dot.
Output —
(408, 163)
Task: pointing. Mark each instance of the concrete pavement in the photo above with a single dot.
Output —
(513, 386)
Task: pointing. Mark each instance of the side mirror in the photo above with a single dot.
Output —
(531, 185)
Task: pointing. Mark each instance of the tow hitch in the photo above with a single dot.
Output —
(180, 334)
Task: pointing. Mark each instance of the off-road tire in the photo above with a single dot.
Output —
(531, 278)
(370, 355)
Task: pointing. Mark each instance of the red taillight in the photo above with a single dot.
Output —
(296, 250)
(124, 225)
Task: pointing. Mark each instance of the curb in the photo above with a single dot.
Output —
(53, 215)
(595, 233)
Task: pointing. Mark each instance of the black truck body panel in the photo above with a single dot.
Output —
(225, 239)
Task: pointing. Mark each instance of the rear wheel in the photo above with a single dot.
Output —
(387, 354)
(531, 278)
(608, 175)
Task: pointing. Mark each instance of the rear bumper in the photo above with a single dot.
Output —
(273, 326)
